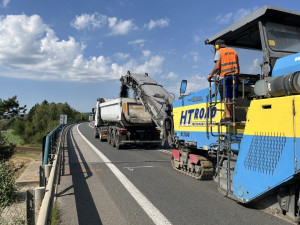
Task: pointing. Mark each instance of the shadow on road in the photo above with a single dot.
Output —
(85, 206)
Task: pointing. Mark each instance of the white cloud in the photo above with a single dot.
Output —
(196, 83)
(153, 66)
(254, 68)
(140, 42)
(96, 21)
(121, 55)
(89, 21)
(222, 19)
(5, 3)
(161, 23)
(196, 38)
(146, 53)
(120, 27)
(170, 76)
(195, 56)
(234, 16)
(241, 13)
(29, 49)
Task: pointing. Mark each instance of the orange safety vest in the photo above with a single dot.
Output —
(229, 62)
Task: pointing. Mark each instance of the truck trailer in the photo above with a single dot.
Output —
(124, 121)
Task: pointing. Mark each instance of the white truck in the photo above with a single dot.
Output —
(124, 121)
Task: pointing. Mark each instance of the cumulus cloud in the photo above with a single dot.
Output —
(5, 3)
(170, 76)
(196, 38)
(195, 56)
(119, 26)
(196, 83)
(89, 21)
(153, 66)
(254, 68)
(222, 19)
(96, 21)
(29, 49)
(139, 42)
(161, 23)
(146, 53)
(122, 56)
(234, 16)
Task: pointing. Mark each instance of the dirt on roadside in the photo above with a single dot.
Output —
(16, 212)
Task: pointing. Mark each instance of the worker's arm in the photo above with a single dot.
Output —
(215, 70)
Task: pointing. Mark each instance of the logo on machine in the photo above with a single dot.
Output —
(192, 116)
(297, 59)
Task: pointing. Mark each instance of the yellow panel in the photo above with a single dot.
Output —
(272, 115)
(272, 42)
(193, 117)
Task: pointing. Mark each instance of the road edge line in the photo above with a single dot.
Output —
(154, 214)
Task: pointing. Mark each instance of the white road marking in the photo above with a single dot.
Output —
(137, 167)
(166, 151)
(91, 125)
(156, 216)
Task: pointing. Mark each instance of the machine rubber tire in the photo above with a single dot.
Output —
(117, 140)
(113, 138)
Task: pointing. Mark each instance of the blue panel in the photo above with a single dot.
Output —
(194, 98)
(286, 65)
(263, 163)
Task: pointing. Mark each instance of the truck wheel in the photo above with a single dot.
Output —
(113, 138)
(108, 136)
(117, 140)
(96, 134)
(100, 136)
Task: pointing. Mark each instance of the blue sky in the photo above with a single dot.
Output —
(76, 50)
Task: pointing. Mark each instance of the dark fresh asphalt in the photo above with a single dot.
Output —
(91, 194)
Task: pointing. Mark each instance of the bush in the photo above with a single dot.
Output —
(6, 123)
(6, 149)
(41, 119)
(7, 185)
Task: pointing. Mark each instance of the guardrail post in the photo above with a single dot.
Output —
(42, 177)
(47, 170)
(30, 207)
(39, 193)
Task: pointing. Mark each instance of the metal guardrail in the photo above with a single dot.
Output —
(49, 143)
(41, 201)
(44, 216)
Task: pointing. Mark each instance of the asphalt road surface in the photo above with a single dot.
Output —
(103, 185)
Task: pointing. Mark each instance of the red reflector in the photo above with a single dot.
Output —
(123, 131)
(157, 131)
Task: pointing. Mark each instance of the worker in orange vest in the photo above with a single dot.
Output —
(227, 66)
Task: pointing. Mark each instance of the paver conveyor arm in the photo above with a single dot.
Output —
(156, 99)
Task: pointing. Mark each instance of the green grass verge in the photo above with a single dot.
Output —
(12, 138)
(17, 140)
(55, 214)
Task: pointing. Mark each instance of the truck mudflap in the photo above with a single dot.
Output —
(196, 166)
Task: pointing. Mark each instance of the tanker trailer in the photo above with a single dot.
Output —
(124, 121)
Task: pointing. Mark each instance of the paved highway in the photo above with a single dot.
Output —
(103, 185)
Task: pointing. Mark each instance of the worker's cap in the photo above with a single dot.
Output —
(220, 42)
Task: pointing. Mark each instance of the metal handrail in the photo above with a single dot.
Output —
(45, 209)
(48, 142)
